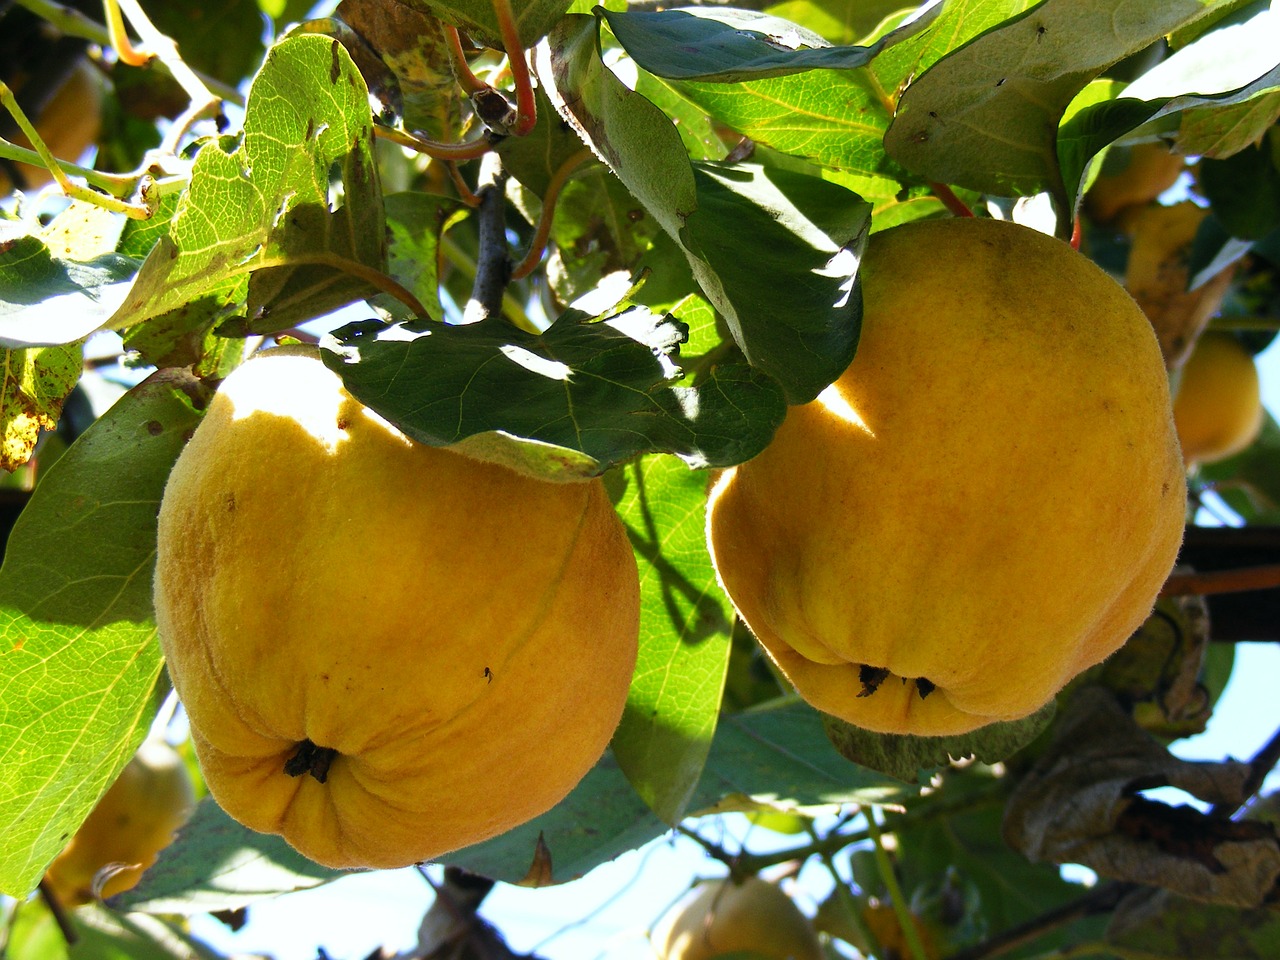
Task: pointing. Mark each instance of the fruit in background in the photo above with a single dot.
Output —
(1150, 169)
(387, 651)
(720, 917)
(135, 820)
(985, 503)
(1218, 404)
(69, 124)
(883, 923)
(1158, 273)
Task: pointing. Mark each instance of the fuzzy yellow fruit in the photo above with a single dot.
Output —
(1150, 170)
(1218, 406)
(752, 918)
(387, 650)
(135, 820)
(985, 503)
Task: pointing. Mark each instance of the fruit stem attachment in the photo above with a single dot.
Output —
(311, 759)
(905, 920)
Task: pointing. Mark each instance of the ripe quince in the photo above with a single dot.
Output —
(132, 822)
(1148, 170)
(1218, 405)
(387, 650)
(985, 503)
(752, 918)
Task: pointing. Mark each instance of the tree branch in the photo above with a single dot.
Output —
(493, 264)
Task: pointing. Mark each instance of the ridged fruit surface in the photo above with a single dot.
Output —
(135, 820)
(1218, 406)
(387, 651)
(985, 503)
(720, 918)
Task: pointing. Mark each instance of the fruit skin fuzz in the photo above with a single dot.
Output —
(983, 505)
(387, 651)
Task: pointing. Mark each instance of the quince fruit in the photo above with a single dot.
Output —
(985, 503)
(387, 650)
(1148, 170)
(132, 822)
(1218, 405)
(753, 918)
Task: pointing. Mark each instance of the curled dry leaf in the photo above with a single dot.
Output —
(1081, 803)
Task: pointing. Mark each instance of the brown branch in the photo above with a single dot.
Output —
(1266, 577)
(493, 262)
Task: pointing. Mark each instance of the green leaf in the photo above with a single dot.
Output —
(909, 758)
(1157, 923)
(217, 864)
(269, 208)
(1244, 190)
(1231, 65)
(46, 301)
(78, 657)
(839, 117)
(1219, 132)
(588, 393)
(227, 46)
(685, 628)
(775, 252)
(986, 116)
(777, 752)
(414, 222)
(725, 45)
(100, 935)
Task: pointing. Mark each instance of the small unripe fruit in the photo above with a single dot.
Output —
(720, 917)
(1218, 406)
(135, 820)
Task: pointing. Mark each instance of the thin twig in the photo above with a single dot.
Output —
(950, 200)
(1263, 763)
(60, 915)
(543, 231)
(526, 102)
(906, 920)
(467, 80)
(120, 42)
(493, 263)
(466, 150)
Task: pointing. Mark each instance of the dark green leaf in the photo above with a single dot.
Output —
(1158, 923)
(1244, 190)
(414, 222)
(47, 301)
(78, 657)
(685, 627)
(910, 759)
(725, 45)
(588, 393)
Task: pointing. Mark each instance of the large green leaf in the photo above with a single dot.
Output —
(986, 116)
(571, 402)
(775, 252)
(100, 934)
(270, 208)
(685, 626)
(727, 45)
(78, 657)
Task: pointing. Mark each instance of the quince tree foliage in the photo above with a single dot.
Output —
(615, 243)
